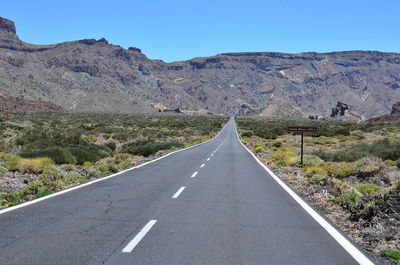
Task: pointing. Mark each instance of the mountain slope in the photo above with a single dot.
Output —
(93, 75)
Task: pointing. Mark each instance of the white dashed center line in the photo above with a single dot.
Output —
(131, 245)
(176, 195)
(208, 159)
(202, 165)
(194, 174)
(212, 154)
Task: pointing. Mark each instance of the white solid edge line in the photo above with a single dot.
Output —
(12, 208)
(346, 244)
(202, 165)
(131, 245)
(194, 174)
(176, 195)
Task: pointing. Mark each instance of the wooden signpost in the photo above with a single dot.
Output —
(302, 130)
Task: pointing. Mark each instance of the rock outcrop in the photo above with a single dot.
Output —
(394, 115)
(7, 25)
(339, 110)
(395, 109)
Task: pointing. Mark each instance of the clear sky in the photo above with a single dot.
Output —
(174, 30)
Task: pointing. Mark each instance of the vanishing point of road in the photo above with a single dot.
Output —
(210, 204)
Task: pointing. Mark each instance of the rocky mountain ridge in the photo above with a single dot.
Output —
(95, 76)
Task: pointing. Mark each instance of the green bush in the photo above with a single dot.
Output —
(90, 153)
(282, 163)
(340, 169)
(385, 149)
(58, 154)
(3, 170)
(247, 134)
(394, 254)
(149, 148)
(10, 162)
(315, 171)
(312, 160)
(258, 149)
(349, 197)
(111, 146)
(369, 189)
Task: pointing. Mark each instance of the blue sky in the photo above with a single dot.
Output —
(178, 30)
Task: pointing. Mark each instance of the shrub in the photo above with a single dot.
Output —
(282, 163)
(314, 171)
(386, 149)
(276, 143)
(369, 189)
(87, 164)
(89, 138)
(247, 134)
(124, 165)
(36, 165)
(149, 148)
(394, 254)
(369, 166)
(111, 146)
(67, 167)
(244, 141)
(312, 160)
(90, 153)
(122, 157)
(340, 169)
(349, 197)
(288, 156)
(258, 149)
(397, 185)
(10, 199)
(10, 162)
(3, 170)
(58, 154)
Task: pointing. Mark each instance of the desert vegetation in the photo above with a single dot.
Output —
(41, 153)
(351, 171)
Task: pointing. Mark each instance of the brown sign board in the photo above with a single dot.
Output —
(302, 129)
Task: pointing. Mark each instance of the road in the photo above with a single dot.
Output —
(230, 212)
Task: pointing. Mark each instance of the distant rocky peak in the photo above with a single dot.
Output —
(7, 25)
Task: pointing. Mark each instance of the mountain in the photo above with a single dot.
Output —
(95, 76)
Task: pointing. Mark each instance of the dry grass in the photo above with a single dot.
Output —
(36, 165)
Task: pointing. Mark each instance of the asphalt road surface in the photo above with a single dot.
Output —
(210, 204)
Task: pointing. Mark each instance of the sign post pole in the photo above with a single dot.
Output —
(302, 130)
(302, 136)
